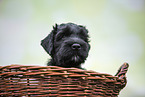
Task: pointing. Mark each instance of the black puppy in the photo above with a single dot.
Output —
(67, 44)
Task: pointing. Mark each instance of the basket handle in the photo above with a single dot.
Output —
(122, 71)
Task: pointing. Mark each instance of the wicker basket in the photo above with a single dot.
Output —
(53, 81)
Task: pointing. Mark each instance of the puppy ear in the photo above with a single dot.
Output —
(48, 42)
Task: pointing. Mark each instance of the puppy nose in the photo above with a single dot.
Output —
(76, 46)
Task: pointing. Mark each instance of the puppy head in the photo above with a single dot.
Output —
(67, 44)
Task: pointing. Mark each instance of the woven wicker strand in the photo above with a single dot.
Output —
(54, 81)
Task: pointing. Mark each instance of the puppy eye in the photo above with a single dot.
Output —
(84, 36)
(59, 37)
(66, 34)
(62, 35)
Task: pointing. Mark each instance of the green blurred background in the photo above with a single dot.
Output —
(116, 28)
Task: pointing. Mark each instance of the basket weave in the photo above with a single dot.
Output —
(53, 81)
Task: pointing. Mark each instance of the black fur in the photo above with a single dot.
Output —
(67, 44)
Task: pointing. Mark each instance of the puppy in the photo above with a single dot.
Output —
(67, 44)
